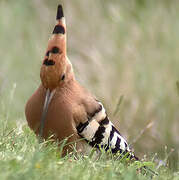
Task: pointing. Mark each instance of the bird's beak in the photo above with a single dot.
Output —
(48, 98)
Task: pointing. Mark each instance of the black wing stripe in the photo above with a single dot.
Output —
(82, 126)
(117, 146)
(105, 121)
(99, 135)
(112, 134)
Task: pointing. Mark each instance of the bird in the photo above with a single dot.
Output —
(61, 107)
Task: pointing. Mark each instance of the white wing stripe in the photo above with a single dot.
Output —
(100, 115)
(90, 130)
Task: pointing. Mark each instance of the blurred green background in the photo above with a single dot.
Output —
(117, 48)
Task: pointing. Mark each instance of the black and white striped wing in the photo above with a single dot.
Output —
(99, 131)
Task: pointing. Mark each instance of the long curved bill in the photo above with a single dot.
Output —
(48, 98)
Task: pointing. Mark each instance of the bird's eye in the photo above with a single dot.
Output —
(63, 77)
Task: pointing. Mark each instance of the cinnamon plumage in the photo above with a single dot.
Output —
(63, 108)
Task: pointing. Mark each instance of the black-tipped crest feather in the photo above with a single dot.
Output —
(59, 12)
(59, 30)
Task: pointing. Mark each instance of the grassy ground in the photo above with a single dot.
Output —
(117, 47)
(22, 157)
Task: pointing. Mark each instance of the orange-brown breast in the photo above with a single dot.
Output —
(65, 112)
(57, 123)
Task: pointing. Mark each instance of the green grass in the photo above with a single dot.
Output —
(124, 52)
(22, 157)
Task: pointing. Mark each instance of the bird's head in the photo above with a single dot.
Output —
(56, 68)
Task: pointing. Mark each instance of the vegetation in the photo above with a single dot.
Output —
(22, 157)
(125, 52)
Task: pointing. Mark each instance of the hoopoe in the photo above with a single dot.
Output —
(62, 107)
(68, 109)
